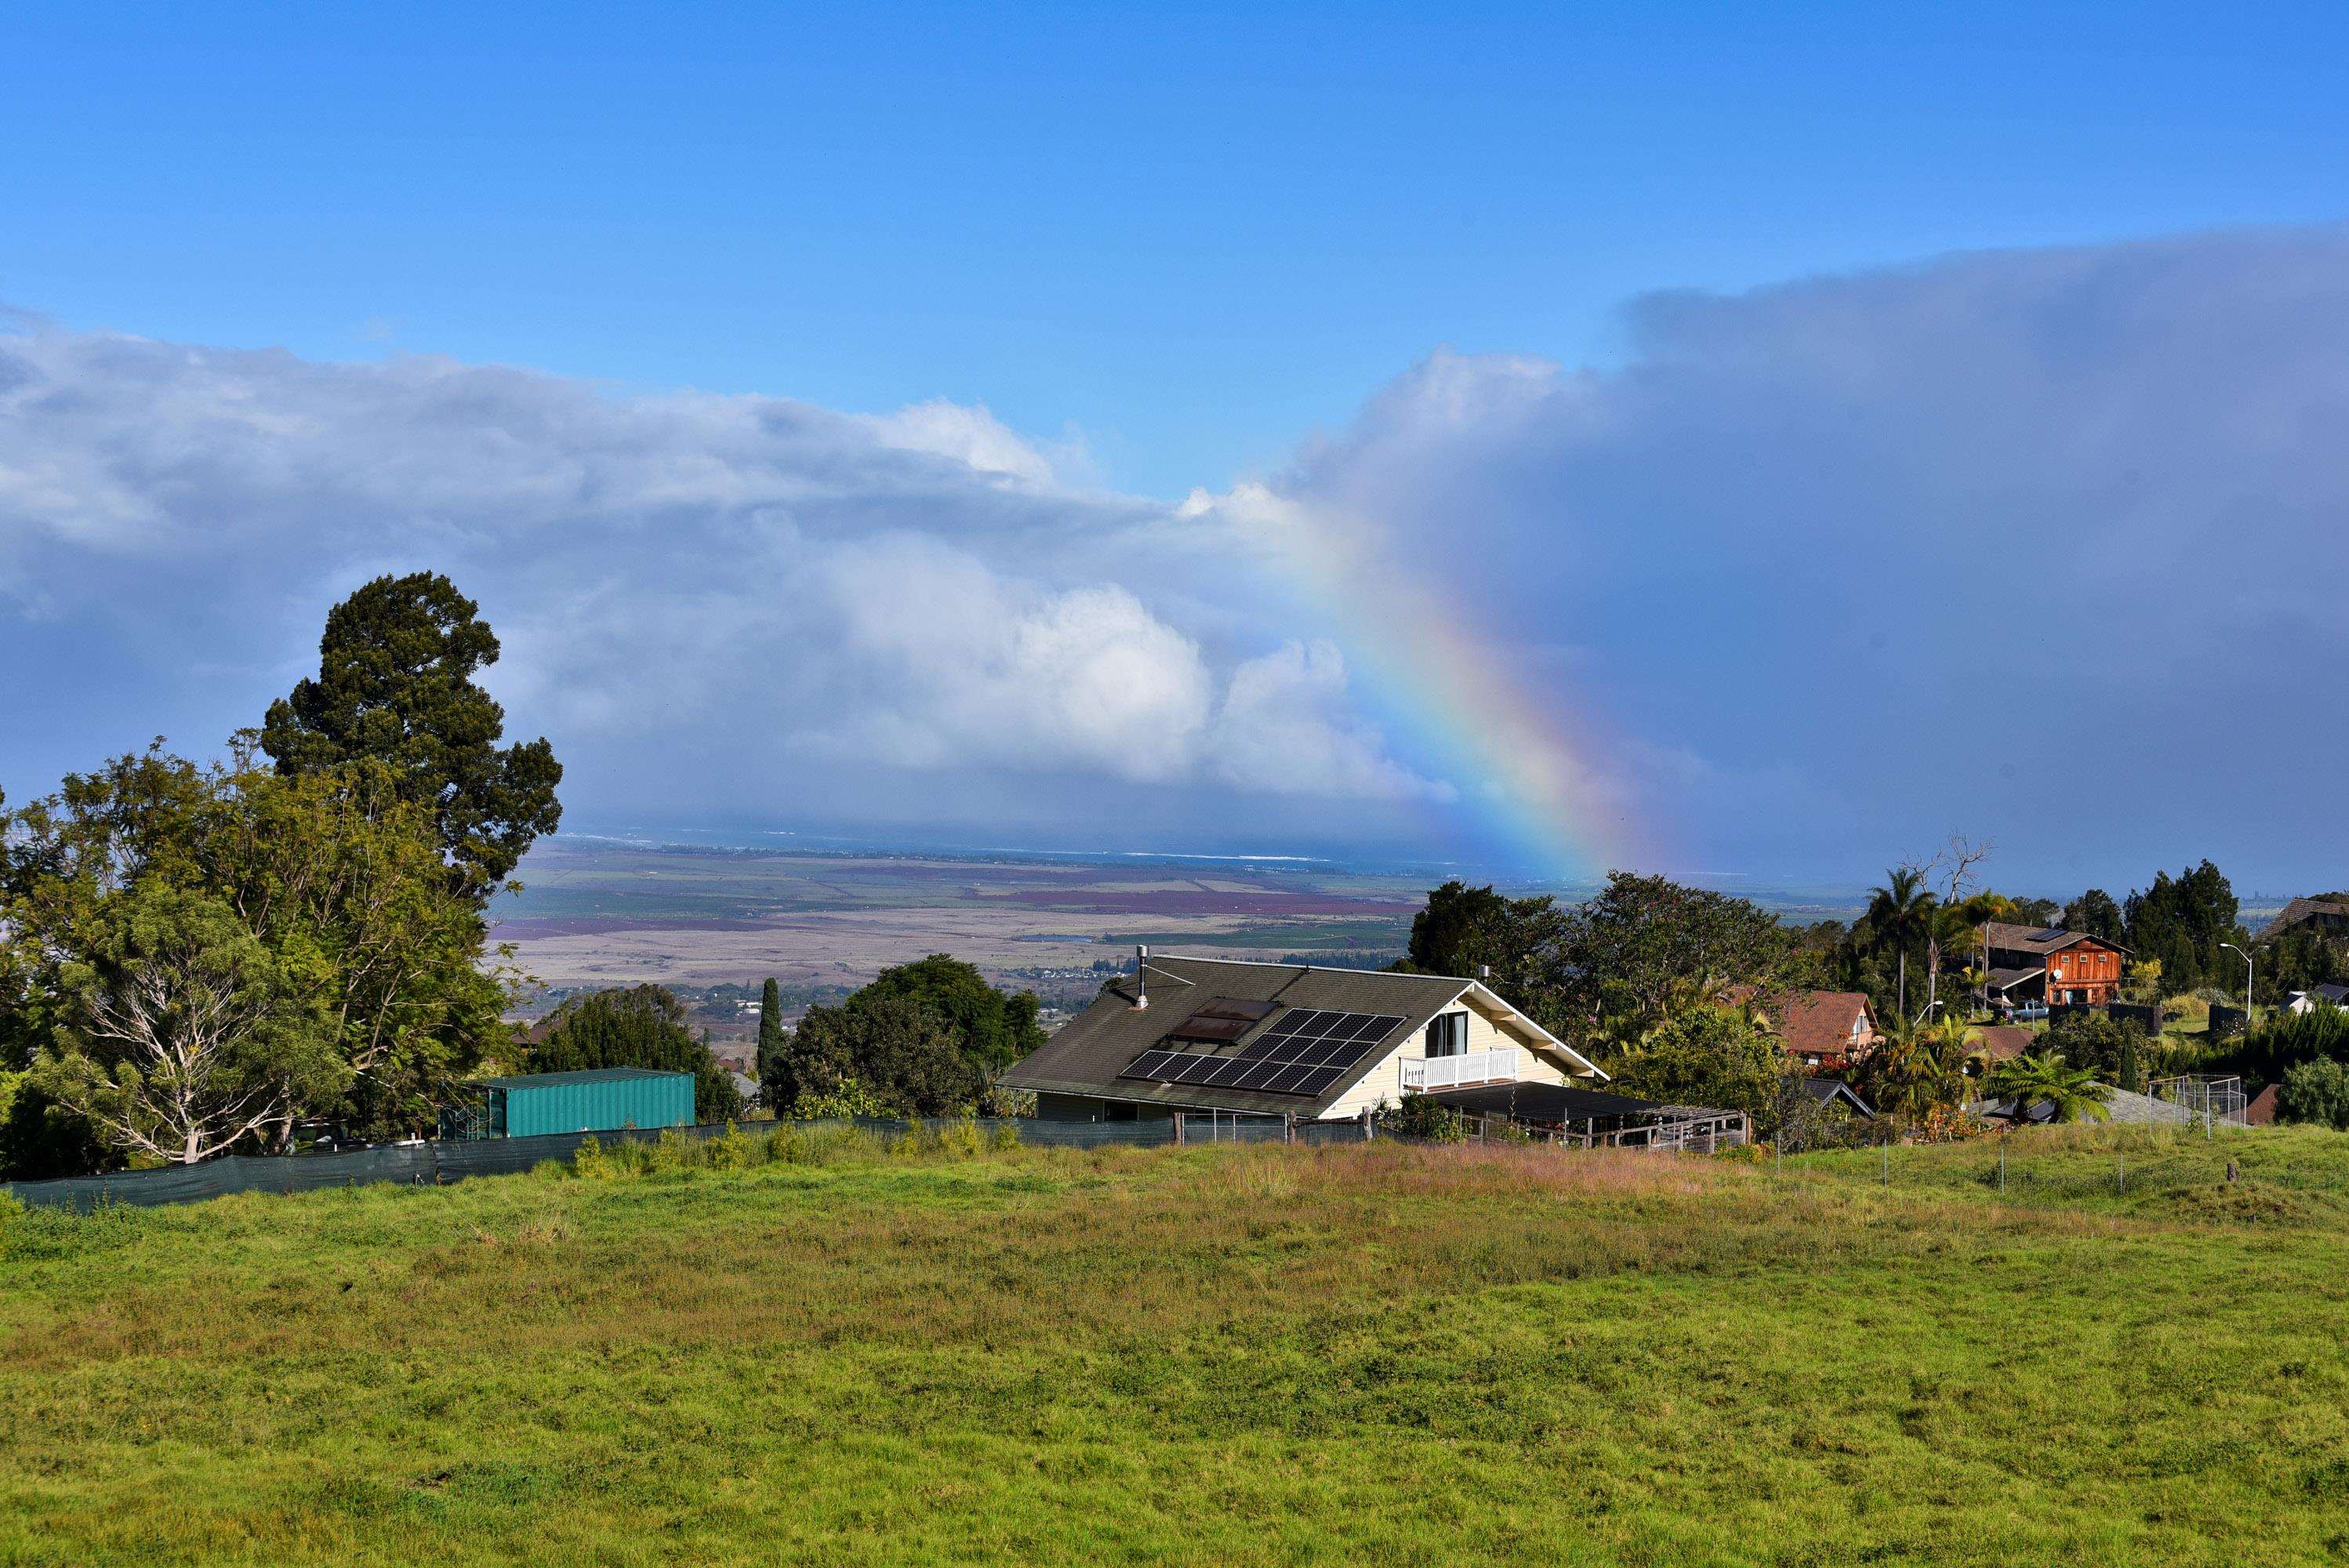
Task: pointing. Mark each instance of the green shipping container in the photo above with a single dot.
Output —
(600, 1100)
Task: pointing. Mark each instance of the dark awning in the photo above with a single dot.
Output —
(1543, 1101)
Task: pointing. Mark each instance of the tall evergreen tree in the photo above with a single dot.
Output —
(770, 1025)
(395, 683)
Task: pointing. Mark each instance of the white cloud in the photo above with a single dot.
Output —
(673, 576)
(1285, 727)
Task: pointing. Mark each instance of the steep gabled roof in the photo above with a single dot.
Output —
(1827, 1091)
(1818, 1021)
(1092, 1048)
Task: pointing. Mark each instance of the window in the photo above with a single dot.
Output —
(1447, 1035)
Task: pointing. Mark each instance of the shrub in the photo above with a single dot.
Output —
(733, 1150)
(2316, 1091)
(593, 1161)
(1419, 1117)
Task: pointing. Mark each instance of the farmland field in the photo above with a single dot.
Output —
(1388, 1353)
(598, 913)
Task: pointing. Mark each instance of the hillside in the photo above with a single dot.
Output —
(1357, 1354)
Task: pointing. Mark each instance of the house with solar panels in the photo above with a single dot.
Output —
(1213, 1035)
(2051, 965)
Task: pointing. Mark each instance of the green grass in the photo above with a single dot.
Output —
(1206, 1355)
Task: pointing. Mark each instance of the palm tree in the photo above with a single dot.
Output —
(1920, 1069)
(2068, 1092)
(1898, 910)
(1950, 926)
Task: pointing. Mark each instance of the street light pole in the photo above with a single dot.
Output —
(2248, 973)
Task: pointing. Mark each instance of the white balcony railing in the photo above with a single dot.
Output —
(1420, 1075)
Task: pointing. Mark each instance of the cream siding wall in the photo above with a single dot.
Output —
(1384, 1080)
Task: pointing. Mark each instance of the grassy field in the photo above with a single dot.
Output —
(1212, 1356)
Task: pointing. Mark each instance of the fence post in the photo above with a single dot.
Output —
(1178, 1127)
(1288, 1127)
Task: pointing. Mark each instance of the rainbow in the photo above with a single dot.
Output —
(1532, 751)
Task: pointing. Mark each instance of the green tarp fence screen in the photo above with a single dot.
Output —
(433, 1164)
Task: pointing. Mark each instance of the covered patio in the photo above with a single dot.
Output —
(1585, 1118)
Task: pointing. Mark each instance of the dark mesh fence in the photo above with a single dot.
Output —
(437, 1163)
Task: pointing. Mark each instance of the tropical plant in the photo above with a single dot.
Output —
(1920, 1069)
(2068, 1092)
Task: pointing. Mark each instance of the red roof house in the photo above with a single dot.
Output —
(1827, 1030)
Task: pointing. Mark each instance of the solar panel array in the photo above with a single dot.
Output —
(1304, 1052)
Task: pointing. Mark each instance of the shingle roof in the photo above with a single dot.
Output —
(2004, 1042)
(2125, 1105)
(1092, 1048)
(1817, 1021)
(2004, 979)
(2300, 909)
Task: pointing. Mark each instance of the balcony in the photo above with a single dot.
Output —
(1425, 1075)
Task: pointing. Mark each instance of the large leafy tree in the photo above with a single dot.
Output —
(185, 1033)
(395, 686)
(1464, 931)
(2097, 914)
(1610, 972)
(336, 878)
(991, 1028)
(1710, 1057)
(638, 1026)
(895, 1048)
(1646, 950)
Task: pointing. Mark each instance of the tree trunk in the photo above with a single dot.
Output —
(1904, 981)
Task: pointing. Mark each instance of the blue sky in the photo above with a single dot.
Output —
(1193, 233)
(995, 293)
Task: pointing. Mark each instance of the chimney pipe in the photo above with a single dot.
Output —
(1141, 976)
(1484, 971)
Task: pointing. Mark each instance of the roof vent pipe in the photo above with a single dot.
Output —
(1141, 977)
(1484, 971)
